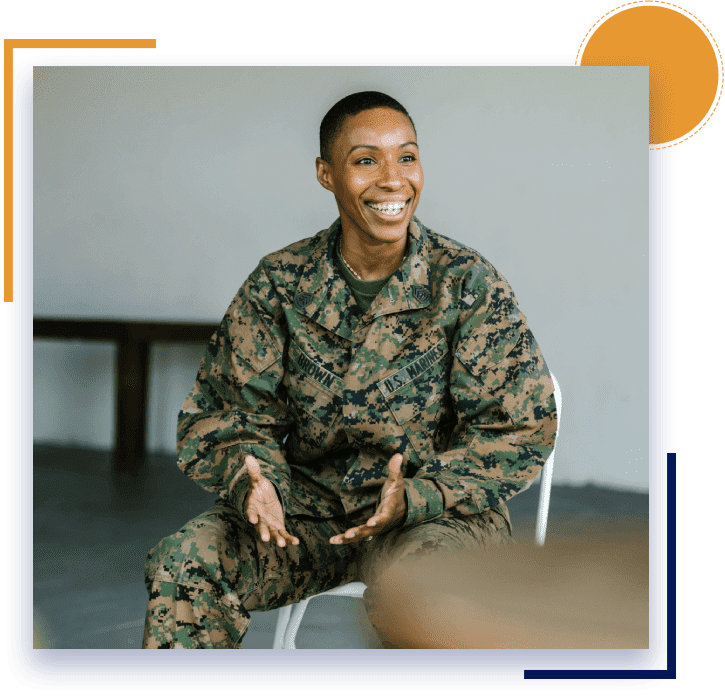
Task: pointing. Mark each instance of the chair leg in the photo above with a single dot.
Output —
(293, 625)
(282, 622)
(542, 514)
(290, 617)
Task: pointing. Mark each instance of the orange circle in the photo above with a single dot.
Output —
(683, 67)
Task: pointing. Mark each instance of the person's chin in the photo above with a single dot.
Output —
(389, 235)
(389, 231)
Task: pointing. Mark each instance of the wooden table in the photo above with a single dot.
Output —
(133, 340)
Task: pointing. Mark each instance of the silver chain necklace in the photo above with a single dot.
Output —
(347, 265)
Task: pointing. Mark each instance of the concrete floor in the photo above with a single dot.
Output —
(92, 531)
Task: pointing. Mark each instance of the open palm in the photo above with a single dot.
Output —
(392, 507)
(263, 507)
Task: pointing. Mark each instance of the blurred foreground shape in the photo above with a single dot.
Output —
(586, 588)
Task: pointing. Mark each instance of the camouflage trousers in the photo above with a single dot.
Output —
(204, 580)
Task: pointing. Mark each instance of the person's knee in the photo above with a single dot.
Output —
(194, 554)
(433, 602)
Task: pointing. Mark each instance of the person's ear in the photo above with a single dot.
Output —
(324, 174)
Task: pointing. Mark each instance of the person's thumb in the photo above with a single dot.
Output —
(394, 466)
(253, 468)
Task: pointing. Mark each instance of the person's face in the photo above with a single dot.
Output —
(375, 174)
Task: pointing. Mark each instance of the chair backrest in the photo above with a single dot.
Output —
(542, 514)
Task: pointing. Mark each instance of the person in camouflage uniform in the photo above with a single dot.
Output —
(372, 395)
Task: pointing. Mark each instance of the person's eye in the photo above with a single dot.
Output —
(365, 160)
(408, 158)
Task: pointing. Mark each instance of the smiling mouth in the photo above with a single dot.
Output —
(387, 209)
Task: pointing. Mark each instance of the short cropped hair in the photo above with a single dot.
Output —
(352, 105)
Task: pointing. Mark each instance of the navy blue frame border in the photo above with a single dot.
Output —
(452, 669)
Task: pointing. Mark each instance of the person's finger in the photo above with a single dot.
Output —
(253, 468)
(379, 518)
(283, 537)
(394, 465)
(351, 535)
(263, 531)
(288, 537)
(347, 534)
(341, 539)
(252, 515)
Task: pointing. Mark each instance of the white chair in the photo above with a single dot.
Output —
(542, 514)
(290, 617)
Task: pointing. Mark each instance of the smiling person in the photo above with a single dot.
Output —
(372, 397)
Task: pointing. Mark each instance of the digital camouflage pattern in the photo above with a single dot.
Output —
(204, 580)
(441, 368)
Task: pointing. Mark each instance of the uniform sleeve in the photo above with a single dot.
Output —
(505, 415)
(238, 404)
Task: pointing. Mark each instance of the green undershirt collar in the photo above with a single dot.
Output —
(364, 291)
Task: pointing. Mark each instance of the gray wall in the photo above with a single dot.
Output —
(157, 190)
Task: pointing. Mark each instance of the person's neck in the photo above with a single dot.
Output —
(372, 260)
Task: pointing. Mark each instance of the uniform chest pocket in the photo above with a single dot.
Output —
(418, 398)
(312, 391)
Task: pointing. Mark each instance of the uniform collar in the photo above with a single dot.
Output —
(409, 287)
(324, 295)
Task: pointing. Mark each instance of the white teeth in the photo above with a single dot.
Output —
(388, 208)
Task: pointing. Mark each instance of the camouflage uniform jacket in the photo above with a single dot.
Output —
(442, 368)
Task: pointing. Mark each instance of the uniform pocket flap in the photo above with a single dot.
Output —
(415, 387)
(250, 339)
(311, 387)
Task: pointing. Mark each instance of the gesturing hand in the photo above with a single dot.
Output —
(390, 509)
(263, 508)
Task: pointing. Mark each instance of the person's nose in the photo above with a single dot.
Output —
(391, 176)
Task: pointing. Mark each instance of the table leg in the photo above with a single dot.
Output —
(132, 361)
